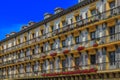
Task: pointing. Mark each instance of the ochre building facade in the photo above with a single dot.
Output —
(79, 43)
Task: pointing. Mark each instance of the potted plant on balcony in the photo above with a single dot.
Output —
(66, 51)
(80, 48)
(53, 54)
(95, 45)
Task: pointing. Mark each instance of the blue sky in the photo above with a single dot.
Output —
(15, 13)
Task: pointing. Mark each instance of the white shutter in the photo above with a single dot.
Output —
(28, 52)
(100, 7)
(57, 63)
(100, 32)
(9, 44)
(100, 56)
(69, 20)
(57, 26)
(14, 42)
(83, 36)
(47, 65)
(37, 34)
(84, 15)
(56, 43)
(21, 39)
(4, 46)
(66, 41)
(118, 2)
(69, 41)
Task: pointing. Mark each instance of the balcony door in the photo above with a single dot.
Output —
(93, 60)
(101, 59)
(112, 33)
(84, 58)
(112, 60)
(57, 66)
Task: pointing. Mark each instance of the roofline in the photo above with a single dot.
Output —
(75, 7)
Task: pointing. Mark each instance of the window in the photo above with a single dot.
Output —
(77, 60)
(25, 38)
(112, 30)
(70, 21)
(18, 41)
(77, 39)
(41, 49)
(86, 14)
(33, 36)
(112, 4)
(69, 40)
(52, 47)
(51, 66)
(36, 67)
(63, 64)
(52, 28)
(112, 58)
(77, 18)
(64, 23)
(93, 59)
(92, 35)
(42, 32)
(63, 43)
(33, 51)
(93, 12)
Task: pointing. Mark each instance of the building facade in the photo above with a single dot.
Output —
(79, 43)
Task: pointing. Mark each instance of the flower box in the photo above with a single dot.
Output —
(93, 70)
(66, 51)
(53, 54)
(71, 72)
(80, 48)
(95, 45)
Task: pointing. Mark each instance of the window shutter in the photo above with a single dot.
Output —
(57, 26)
(86, 35)
(96, 33)
(84, 15)
(66, 41)
(80, 38)
(37, 34)
(118, 2)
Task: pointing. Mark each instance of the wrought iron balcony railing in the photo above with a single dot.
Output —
(81, 69)
(60, 50)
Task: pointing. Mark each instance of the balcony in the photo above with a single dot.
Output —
(75, 70)
(36, 56)
(101, 16)
(87, 44)
(28, 57)
(21, 59)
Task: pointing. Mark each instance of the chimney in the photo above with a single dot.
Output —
(58, 9)
(47, 15)
(24, 27)
(31, 23)
(7, 35)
